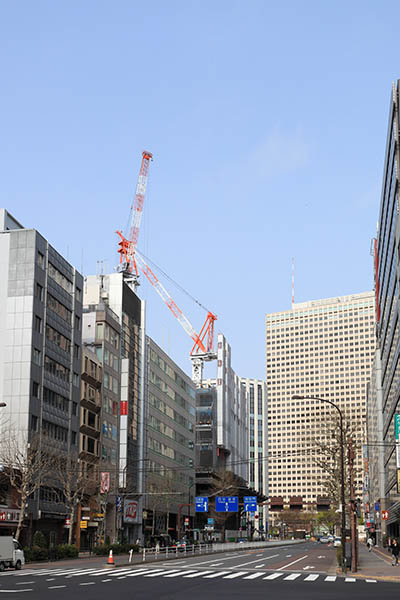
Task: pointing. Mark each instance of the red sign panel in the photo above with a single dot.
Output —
(124, 407)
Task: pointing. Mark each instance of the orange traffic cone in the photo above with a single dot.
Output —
(110, 562)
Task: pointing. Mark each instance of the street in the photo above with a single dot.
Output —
(305, 570)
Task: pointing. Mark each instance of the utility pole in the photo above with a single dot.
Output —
(353, 509)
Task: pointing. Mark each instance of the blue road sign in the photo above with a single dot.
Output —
(250, 503)
(201, 503)
(226, 504)
(210, 521)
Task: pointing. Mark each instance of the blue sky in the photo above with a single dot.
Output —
(267, 122)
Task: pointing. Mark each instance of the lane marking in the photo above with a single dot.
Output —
(311, 577)
(216, 575)
(370, 581)
(234, 575)
(292, 577)
(293, 562)
(24, 582)
(274, 576)
(259, 566)
(253, 561)
(158, 573)
(330, 578)
(199, 574)
(349, 580)
(88, 583)
(16, 591)
(56, 587)
(51, 579)
(179, 573)
(105, 580)
(140, 572)
(253, 576)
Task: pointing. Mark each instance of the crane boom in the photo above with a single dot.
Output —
(199, 347)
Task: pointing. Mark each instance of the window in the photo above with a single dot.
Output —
(39, 292)
(40, 260)
(54, 336)
(73, 438)
(56, 368)
(38, 324)
(37, 357)
(75, 379)
(77, 323)
(34, 423)
(76, 351)
(91, 445)
(74, 408)
(35, 389)
(60, 278)
(61, 310)
(78, 294)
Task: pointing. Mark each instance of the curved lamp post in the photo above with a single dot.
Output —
(343, 527)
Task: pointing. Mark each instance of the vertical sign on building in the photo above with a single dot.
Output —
(397, 436)
(104, 482)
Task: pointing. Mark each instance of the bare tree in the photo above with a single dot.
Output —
(224, 484)
(74, 483)
(25, 466)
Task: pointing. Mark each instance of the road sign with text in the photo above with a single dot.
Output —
(250, 503)
(201, 504)
(227, 504)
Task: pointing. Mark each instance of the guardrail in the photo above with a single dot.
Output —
(173, 551)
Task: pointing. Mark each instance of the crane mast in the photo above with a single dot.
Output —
(128, 243)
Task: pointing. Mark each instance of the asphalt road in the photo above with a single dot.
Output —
(300, 571)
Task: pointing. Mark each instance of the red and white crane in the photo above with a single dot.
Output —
(131, 259)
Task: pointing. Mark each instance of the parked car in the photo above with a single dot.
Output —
(180, 545)
(337, 542)
(324, 539)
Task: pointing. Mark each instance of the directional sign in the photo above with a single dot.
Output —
(397, 426)
(210, 521)
(250, 503)
(201, 503)
(226, 504)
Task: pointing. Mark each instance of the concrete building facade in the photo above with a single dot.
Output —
(319, 348)
(170, 437)
(40, 354)
(257, 410)
(384, 387)
(117, 291)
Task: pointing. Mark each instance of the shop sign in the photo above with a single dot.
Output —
(67, 523)
(131, 511)
(9, 515)
(83, 524)
(104, 482)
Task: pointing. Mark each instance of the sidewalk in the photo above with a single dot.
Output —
(376, 564)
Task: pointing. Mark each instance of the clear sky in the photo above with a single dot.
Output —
(267, 122)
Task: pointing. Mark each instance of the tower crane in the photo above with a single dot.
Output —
(131, 259)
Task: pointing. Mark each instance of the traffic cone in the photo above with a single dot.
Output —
(110, 562)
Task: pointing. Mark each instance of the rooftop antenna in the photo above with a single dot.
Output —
(292, 282)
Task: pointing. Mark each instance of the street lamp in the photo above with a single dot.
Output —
(343, 532)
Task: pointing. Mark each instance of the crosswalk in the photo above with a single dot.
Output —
(171, 573)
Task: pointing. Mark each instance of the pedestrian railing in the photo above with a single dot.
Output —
(173, 551)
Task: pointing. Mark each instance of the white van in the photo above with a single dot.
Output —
(11, 553)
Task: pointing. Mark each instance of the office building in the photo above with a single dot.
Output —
(170, 437)
(384, 386)
(40, 359)
(257, 410)
(319, 348)
(117, 291)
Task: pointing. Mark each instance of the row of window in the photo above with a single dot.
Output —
(60, 278)
(168, 431)
(164, 387)
(105, 332)
(110, 431)
(58, 338)
(164, 450)
(110, 382)
(170, 412)
(55, 432)
(164, 366)
(59, 308)
(56, 368)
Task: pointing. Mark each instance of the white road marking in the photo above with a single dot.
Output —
(259, 566)
(349, 580)
(24, 582)
(105, 580)
(330, 578)
(311, 577)
(56, 587)
(179, 573)
(293, 562)
(274, 576)
(234, 575)
(141, 572)
(308, 567)
(370, 581)
(158, 573)
(79, 573)
(199, 574)
(15, 591)
(216, 574)
(51, 579)
(88, 583)
(258, 554)
(292, 577)
(288, 556)
(257, 560)
(321, 557)
(216, 564)
(253, 576)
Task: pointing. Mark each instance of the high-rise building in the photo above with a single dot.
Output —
(319, 348)
(384, 398)
(40, 356)
(170, 436)
(257, 410)
(117, 291)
